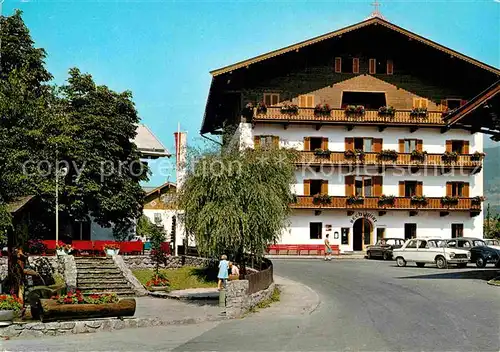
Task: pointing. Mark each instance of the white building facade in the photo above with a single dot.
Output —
(367, 108)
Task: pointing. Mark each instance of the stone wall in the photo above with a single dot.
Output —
(173, 262)
(238, 301)
(56, 263)
(127, 273)
(3, 268)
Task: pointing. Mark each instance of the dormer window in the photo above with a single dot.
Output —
(338, 65)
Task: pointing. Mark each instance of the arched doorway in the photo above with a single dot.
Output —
(362, 234)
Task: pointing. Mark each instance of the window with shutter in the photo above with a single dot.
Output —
(306, 101)
(410, 145)
(338, 65)
(363, 186)
(456, 189)
(307, 187)
(372, 66)
(420, 103)
(390, 67)
(377, 145)
(349, 186)
(271, 99)
(355, 65)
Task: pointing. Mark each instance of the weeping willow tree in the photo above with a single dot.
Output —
(237, 202)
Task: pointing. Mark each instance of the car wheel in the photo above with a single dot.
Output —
(480, 262)
(420, 265)
(462, 265)
(369, 255)
(400, 261)
(386, 256)
(441, 262)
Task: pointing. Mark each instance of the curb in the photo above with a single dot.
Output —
(317, 301)
(38, 329)
(165, 295)
(305, 257)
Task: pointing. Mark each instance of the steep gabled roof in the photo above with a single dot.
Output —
(337, 33)
(148, 144)
(159, 188)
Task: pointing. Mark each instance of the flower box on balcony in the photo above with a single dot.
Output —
(449, 157)
(449, 201)
(418, 112)
(261, 108)
(355, 110)
(477, 200)
(322, 110)
(387, 111)
(353, 200)
(322, 199)
(354, 154)
(388, 155)
(386, 200)
(290, 109)
(418, 200)
(322, 153)
(477, 156)
(418, 156)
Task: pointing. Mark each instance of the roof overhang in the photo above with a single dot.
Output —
(481, 113)
(337, 33)
(19, 203)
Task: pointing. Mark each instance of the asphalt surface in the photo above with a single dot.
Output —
(365, 305)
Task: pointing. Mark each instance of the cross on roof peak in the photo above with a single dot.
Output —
(376, 11)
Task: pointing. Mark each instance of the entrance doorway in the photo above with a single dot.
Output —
(362, 234)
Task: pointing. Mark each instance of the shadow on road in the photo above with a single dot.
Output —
(471, 274)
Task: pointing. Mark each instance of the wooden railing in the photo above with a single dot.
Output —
(404, 159)
(401, 117)
(400, 203)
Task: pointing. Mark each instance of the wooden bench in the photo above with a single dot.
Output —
(300, 249)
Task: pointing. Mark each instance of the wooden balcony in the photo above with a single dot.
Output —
(339, 116)
(403, 160)
(400, 203)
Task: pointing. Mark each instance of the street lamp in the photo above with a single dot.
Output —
(59, 172)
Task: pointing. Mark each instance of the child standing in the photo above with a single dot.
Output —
(223, 271)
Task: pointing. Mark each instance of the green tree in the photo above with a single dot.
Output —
(156, 235)
(88, 126)
(238, 202)
(24, 102)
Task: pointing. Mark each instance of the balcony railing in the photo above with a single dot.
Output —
(403, 159)
(400, 203)
(401, 117)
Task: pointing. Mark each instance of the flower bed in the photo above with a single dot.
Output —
(158, 283)
(79, 306)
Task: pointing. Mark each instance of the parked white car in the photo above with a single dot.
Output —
(430, 251)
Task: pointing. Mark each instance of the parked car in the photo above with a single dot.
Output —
(384, 247)
(430, 251)
(480, 253)
(492, 242)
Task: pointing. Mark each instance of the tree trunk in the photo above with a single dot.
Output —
(51, 310)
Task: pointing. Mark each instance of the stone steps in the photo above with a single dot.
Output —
(101, 275)
(124, 292)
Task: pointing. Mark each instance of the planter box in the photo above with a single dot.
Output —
(50, 310)
(111, 252)
(6, 317)
(61, 252)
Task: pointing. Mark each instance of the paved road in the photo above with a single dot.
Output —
(365, 305)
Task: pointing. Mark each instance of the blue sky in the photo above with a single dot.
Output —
(163, 50)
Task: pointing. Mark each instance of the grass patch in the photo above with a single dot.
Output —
(275, 297)
(495, 281)
(182, 278)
